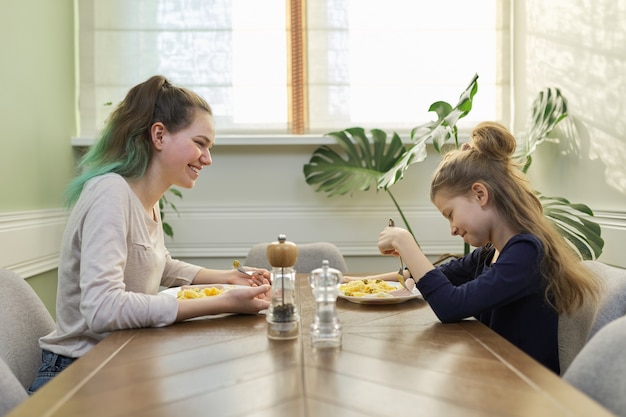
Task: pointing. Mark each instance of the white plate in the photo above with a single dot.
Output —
(173, 291)
(385, 299)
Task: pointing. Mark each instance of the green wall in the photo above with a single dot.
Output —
(37, 109)
(46, 287)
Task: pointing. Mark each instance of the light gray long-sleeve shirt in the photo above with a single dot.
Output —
(113, 260)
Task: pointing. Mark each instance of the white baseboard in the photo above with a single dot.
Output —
(30, 240)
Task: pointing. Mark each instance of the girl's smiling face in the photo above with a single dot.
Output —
(468, 215)
(183, 154)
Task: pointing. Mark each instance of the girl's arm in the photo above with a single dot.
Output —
(239, 300)
(232, 276)
(398, 241)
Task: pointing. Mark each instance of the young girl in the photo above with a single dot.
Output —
(113, 257)
(523, 274)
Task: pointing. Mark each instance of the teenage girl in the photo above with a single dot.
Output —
(113, 257)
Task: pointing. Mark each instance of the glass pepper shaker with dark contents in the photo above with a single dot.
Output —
(282, 315)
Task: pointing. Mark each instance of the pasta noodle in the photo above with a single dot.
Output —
(366, 287)
(189, 293)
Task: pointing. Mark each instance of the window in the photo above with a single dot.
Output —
(357, 62)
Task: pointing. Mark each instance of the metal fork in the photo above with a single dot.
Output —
(237, 265)
(401, 271)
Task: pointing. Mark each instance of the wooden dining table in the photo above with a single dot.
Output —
(395, 360)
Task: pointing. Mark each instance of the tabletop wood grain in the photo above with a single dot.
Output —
(395, 360)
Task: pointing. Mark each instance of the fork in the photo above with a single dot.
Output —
(237, 265)
(401, 271)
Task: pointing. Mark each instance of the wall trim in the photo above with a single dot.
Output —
(610, 219)
(30, 240)
(231, 230)
(613, 225)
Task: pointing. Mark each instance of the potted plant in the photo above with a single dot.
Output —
(363, 161)
(163, 202)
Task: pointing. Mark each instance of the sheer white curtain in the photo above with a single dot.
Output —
(368, 63)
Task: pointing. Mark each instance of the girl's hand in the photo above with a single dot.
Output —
(389, 238)
(242, 300)
(260, 276)
(248, 300)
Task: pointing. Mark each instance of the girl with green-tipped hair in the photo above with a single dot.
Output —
(113, 257)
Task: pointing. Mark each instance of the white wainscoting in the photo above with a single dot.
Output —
(226, 233)
(613, 225)
(30, 240)
(230, 231)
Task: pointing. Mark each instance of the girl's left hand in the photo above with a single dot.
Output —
(257, 277)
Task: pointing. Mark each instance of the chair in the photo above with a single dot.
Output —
(599, 369)
(12, 393)
(577, 329)
(310, 257)
(24, 320)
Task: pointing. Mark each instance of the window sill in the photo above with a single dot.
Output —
(244, 140)
(266, 140)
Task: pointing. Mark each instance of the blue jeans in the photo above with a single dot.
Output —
(51, 365)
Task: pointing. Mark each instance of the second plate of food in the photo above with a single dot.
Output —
(368, 291)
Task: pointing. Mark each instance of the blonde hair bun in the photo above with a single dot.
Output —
(493, 141)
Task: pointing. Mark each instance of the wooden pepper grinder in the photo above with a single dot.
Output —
(282, 316)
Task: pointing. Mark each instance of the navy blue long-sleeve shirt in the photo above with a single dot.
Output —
(508, 296)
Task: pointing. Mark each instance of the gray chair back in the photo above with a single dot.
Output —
(577, 329)
(599, 369)
(12, 393)
(310, 257)
(24, 320)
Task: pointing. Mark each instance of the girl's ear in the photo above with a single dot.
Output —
(156, 135)
(480, 192)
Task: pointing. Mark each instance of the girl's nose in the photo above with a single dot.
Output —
(454, 230)
(205, 158)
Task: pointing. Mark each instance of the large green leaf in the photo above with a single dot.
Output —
(414, 153)
(548, 109)
(359, 164)
(437, 132)
(571, 219)
(440, 131)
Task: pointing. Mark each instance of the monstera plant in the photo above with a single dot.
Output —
(571, 219)
(364, 161)
(373, 161)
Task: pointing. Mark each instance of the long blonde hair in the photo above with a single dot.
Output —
(488, 159)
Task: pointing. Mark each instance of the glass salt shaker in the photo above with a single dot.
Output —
(283, 320)
(326, 328)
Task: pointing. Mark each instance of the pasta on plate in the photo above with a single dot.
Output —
(189, 293)
(367, 288)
